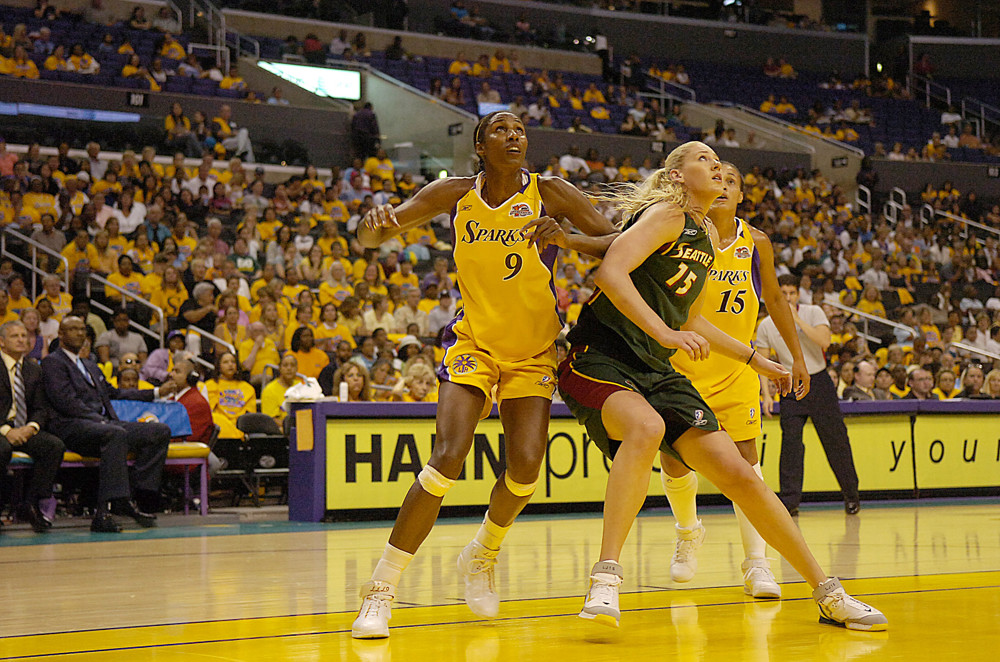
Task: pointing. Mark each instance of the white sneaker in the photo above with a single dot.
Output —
(758, 580)
(838, 608)
(376, 610)
(601, 605)
(684, 563)
(476, 564)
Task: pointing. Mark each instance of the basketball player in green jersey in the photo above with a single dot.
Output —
(618, 380)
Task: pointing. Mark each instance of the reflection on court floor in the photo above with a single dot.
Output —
(934, 569)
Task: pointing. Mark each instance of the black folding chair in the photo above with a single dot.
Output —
(265, 451)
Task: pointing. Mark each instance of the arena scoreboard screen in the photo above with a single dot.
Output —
(322, 81)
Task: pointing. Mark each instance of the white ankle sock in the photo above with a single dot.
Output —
(490, 535)
(753, 544)
(391, 566)
(682, 494)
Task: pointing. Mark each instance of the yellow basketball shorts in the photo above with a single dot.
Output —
(737, 405)
(466, 363)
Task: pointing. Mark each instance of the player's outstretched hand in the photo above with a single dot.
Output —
(800, 380)
(688, 341)
(773, 371)
(547, 230)
(382, 216)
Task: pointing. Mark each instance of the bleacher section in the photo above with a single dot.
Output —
(72, 30)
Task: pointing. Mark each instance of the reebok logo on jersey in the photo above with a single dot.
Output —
(743, 252)
(690, 232)
(520, 210)
(465, 208)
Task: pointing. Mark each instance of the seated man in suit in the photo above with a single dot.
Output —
(25, 412)
(80, 399)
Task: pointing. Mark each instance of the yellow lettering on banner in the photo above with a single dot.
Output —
(957, 451)
(880, 444)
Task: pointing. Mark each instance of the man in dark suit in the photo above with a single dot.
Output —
(24, 412)
(80, 400)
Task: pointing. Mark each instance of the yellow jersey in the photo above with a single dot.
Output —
(61, 305)
(506, 283)
(732, 300)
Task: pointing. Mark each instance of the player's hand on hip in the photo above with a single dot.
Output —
(773, 371)
(382, 216)
(688, 341)
(547, 230)
(800, 380)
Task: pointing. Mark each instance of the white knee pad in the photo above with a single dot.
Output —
(434, 482)
(519, 489)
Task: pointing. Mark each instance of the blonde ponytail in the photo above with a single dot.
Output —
(629, 198)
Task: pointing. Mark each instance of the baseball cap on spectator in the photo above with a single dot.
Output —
(259, 170)
(406, 341)
(83, 176)
(175, 334)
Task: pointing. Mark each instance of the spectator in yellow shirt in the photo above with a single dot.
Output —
(21, 66)
(80, 253)
(258, 351)
(57, 61)
(16, 301)
(233, 81)
(229, 397)
(311, 359)
(481, 68)
(381, 165)
(627, 171)
(405, 278)
(61, 301)
(171, 294)
(273, 395)
(330, 332)
(769, 105)
(499, 63)
(82, 62)
(335, 287)
(593, 95)
(459, 65)
(172, 48)
(784, 107)
(125, 278)
(786, 70)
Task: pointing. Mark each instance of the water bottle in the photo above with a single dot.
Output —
(343, 392)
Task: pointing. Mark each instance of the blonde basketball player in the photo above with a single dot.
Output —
(618, 380)
(741, 276)
(505, 243)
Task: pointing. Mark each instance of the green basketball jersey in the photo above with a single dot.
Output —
(669, 281)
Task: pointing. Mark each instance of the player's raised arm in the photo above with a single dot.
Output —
(562, 200)
(385, 221)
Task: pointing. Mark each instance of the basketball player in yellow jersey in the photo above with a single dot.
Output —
(505, 240)
(741, 276)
